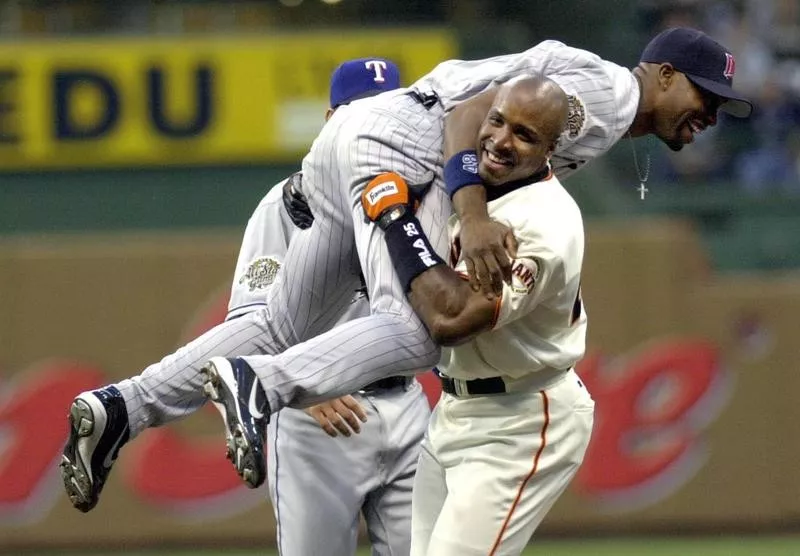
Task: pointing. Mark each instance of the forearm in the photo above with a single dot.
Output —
(450, 309)
(463, 122)
(469, 203)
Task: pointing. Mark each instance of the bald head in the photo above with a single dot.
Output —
(545, 102)
(521, 130)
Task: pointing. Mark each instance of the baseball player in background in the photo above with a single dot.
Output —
(682, 80)
(514, 420)
(320, 485)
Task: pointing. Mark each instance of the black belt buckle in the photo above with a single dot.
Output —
(427, 99)
(475, 387)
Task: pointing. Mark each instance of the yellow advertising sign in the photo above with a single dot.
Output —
(144, 101)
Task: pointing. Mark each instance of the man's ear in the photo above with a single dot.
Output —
(666, 73)
(328, 113)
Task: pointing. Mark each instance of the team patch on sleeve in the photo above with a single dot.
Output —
(576, 117)
(260, 273)
(524, 273)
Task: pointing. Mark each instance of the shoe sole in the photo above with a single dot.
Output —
(77, 478)
(239, 448)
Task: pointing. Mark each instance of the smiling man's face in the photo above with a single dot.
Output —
(683, 109)
(518, 135)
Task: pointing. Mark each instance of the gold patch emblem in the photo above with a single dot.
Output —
(261, 273)
(577, 116)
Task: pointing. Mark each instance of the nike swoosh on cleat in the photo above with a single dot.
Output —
(108, 462)
(251, 403)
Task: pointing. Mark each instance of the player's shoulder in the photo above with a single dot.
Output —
(576, 68)
(541, 213)
(546, 195)
(603, 98)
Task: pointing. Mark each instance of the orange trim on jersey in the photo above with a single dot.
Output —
(499, 539)
(497, 310)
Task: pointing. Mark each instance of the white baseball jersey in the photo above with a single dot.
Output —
(540, 322)
(603, 96)
(492, 466)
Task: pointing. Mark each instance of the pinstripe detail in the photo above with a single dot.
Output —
(276, 452)
(240, 310)
(542, 445)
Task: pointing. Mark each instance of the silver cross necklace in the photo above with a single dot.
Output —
(643, 176)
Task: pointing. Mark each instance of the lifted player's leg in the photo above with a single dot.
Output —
(167, 391)
(392, 340)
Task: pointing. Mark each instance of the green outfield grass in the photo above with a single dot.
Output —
(655, 546)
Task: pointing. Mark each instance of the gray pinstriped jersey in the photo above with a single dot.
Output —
(603, 95)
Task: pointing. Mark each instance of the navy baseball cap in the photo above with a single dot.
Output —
(361, 78)
(705, 62)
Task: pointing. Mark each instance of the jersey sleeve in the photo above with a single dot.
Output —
(544, 59)
(264, 244)
(602, 99)
(457, 80)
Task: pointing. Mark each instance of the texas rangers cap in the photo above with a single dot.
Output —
(361, 78)
(705, 62)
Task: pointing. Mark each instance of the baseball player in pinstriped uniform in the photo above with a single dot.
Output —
(514, 420)
(398, 138)
(319, 485)
(371, 472)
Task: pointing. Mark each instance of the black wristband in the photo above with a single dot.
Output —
(409, 249)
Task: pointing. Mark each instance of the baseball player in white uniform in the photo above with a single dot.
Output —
(682, 80)
(318, 486)
(514, 420)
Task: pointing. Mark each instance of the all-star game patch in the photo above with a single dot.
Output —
(577, 116)
(261, 273)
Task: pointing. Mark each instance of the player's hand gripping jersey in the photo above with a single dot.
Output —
(540, 323)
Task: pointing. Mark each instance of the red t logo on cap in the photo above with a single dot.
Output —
(730, 66)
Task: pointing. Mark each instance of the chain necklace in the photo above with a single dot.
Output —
(643, 176)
